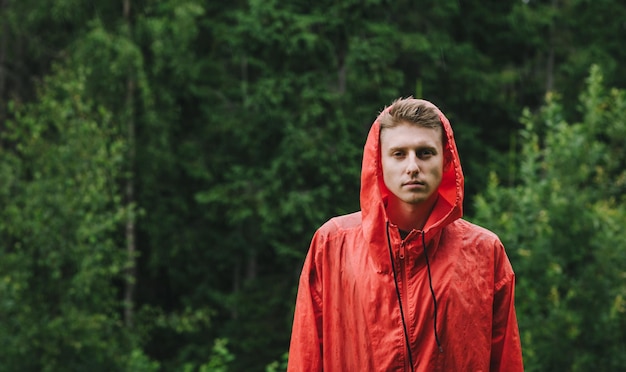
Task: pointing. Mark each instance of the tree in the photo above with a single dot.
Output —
(562, 225)
(61, 211)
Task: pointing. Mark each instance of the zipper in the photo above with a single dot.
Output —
(405, 301)
(399, 282)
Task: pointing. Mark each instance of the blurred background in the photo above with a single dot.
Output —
(164, 164)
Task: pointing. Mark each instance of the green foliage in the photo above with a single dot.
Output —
(278, 365)
(247, 122)
(139, 362)
(219, 359)
(562, 225)
(61, 210)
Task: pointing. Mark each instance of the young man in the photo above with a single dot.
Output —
(406, 284)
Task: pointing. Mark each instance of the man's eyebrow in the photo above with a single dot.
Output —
(423, 146)
(397, 148)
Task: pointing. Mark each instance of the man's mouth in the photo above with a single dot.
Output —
(414, 183)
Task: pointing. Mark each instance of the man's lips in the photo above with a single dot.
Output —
(414, 183)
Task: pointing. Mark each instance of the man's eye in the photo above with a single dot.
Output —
(397, 154)
(425, 153)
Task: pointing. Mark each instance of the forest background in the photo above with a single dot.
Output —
(164, 164)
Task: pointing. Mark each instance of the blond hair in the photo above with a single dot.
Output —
(410, 110)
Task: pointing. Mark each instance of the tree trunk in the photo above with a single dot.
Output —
(131, 271)
(4, 5)
(341, 72)
(550, 65)
(550, 61)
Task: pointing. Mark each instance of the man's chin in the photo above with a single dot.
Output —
(414, 200)
(417, 200)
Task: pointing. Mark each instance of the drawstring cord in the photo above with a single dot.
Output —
(432, 292)
(395, 279)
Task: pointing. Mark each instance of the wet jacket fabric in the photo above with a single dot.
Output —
(364, 292)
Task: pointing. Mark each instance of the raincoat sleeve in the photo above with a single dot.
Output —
(305, 350)
(506, 351)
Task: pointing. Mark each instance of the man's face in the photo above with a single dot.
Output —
(412, 161)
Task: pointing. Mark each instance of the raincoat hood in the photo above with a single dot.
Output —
(374, 193)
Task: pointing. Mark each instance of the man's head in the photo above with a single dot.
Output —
(413, 111)
(412, 142)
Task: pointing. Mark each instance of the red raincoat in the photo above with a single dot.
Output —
(348, 313)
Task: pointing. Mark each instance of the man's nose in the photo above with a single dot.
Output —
(412, 165)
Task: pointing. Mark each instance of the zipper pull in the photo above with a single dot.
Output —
(401, 253)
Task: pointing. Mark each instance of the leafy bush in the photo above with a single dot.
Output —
(562, 220)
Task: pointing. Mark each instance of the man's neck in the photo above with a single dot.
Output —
(409, 216)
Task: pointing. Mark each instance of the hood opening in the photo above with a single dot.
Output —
(374, 194)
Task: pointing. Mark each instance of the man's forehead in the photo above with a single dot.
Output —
(404, 125)
(409, 134)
